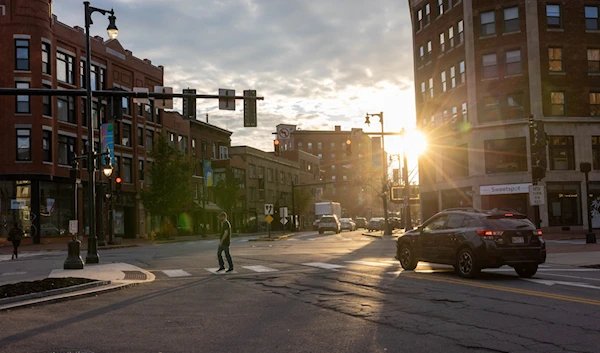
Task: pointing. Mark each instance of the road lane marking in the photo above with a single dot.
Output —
(369, 263)
(14, 273)
(576, 277)
(176, 273)
(209, 241)
(214, 270)
(545, 270)
(505, 289)
(292, 239)
(323, 265)
(563, 283)
(260, 268)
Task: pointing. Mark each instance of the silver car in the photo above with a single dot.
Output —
(329, 223)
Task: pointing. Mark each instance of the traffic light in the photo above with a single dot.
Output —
(538, 173)
(189, 104)
(119, 182)
(250, 109)
(276, 147)
(538, 140)
(348, 147)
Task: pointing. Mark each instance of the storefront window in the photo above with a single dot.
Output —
(56, 208)
(564, 206)
(15, 206)
(507, 155)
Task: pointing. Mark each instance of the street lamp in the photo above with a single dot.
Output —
(107, 170)
(387, 230)
(586, 168)
(92, 252)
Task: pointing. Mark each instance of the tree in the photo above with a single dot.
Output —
(303, 201)
(227, 191)
(170, 190)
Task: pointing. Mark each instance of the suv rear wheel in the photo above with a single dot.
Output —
(407, 258)
(465, 263)
(526, 270)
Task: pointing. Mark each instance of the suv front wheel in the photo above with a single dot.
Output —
(465, 264)
(407, 258)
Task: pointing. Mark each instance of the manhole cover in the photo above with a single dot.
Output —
(135, 276)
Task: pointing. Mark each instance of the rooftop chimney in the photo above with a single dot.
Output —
(338, 128)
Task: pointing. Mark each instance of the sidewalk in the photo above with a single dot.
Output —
(108, 277)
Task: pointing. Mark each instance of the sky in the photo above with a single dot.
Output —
(317, 63)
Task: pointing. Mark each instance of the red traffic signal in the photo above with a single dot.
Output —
(119, 180)
(276, 147)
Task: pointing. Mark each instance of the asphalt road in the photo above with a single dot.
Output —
(309, 293)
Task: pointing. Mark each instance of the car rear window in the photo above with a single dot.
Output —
(327, 219)
(508, 223)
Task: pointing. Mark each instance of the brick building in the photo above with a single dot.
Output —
(40, 135)
(352, 180)
(481, 69)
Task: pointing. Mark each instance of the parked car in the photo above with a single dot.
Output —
(471, 240)
(347, 224)
(361, 222)
(329, 223)
(376, 223)
(316, 224)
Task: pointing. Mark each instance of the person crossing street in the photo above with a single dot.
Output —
(224, 243)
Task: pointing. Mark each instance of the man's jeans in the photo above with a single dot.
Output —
(227, 255)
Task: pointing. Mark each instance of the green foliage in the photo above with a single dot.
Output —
(170, 189)
(227, 191)
(303, 200)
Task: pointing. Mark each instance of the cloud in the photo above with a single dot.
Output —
(317, 63)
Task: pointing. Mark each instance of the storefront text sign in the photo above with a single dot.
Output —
(504, 189)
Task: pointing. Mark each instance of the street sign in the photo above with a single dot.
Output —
(250, 109)
(73, 225)
(283, 212)
(269, 219)
(269, 209)
(397, 192)
(163, 103)
(224, 102)
(284, 221)
(536, 195)
(141, 100)
(189, 104)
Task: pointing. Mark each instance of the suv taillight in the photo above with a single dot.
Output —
(537, 232)
(489, 234)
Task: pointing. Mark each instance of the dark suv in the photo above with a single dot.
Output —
(471, 240)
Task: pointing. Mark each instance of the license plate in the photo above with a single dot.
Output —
(518, 240)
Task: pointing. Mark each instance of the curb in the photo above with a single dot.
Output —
(66, 296)
(52, 292)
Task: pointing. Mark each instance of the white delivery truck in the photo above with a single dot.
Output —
(323, 208)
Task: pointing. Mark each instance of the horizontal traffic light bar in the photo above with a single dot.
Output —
(111, 93)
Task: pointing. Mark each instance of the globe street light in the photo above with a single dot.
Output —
(92, 252)
(107, 170)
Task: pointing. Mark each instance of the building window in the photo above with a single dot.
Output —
(490, 65)
(421, 55)
(555, 59)
(423, 91)
(148, 112)
(22, 102)
(564, 205)
(596, 152)
(488, 23)
(94, 82)
(319, 146)
(513, 62)
(491, 109)
(514, 102)
(125, 106)
(46, 67)
(591, 18)
(443, 78)
(333, 156)
(117, 132)
(557, 101)
(141, 169)
(505, 155)
(461, 70)
(440, 7)
(194, 146)
(464, 111)
(332, 145)
(593, 56)
(456, 162)
(420, 19)
(594, 103)
(140, 110)
(66, 109)
(451, 37)
(427, 14)
(183, 144)
(127, 172)
(23, 144)
(82, 74)
(562, 152)
(299, 145)
(47, 145)
(47, 103)
(140, 136)
(511, 20)
(64, 67)
(117, 166)
(452, 76)
(214, 150)
(22, 54)
(126, 136)
(429, 50)
(309, 146)
(461, 31)
(149, 140)
(431, 88)
(553, 16)
(102, 78)
(223, 152)
(320, 155)
(442, 42)
(66, 149)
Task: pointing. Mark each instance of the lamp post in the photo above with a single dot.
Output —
(590, 237)
(408, 220)
(107, 170)
(92, 252)
(384, 181)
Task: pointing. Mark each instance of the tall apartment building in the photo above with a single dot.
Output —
(40, 135)
(352, 180)
(481, 69)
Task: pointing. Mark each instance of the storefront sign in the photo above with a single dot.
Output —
(504, 189)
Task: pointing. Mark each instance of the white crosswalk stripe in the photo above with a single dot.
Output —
(14, 273)
(215, 269)
(176, 273)
(323, 265)
(370, 263)
(260, 268)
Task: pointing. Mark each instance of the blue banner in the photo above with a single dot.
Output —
(208, 173)
(107, 139)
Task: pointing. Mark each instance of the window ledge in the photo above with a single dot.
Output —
(488, 36)
(46, 116)
(557, 73)
(490, 79)
(593, 73)
(66, 84)
(48, 75)
(22, 71)
(23, 114)
(509, 33)
(23, 162)
(48, 163)
(555, 30)
(595, 31)
(515, 75)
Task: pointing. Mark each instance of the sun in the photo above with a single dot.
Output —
(414, 144)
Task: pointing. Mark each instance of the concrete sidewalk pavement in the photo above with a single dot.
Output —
(108, 277)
